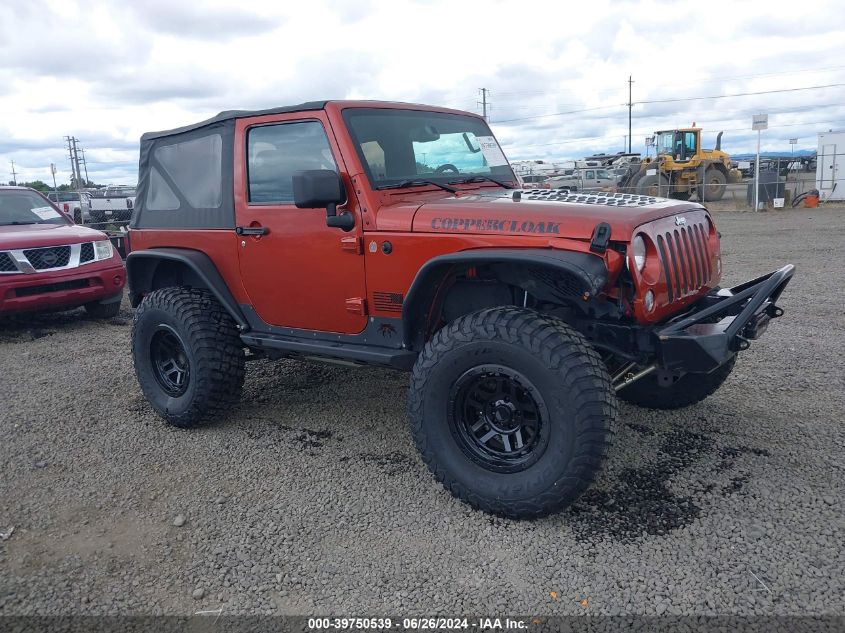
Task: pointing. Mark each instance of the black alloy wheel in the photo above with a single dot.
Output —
(498, 418)
(171, 366)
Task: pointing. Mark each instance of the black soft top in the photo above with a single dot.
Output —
(185, 175)
(230, 115)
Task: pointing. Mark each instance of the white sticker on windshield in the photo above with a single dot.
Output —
(46, 213)
(491, 151)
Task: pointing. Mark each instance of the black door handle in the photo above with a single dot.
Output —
(252, 230)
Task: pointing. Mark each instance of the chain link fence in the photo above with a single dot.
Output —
(782, 180)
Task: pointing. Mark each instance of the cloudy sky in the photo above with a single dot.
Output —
(556, 71)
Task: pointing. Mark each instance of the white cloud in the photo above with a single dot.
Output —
(107, 71)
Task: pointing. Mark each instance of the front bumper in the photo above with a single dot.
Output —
(102, 281)
(721, 324)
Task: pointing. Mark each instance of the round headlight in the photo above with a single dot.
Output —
(638, 251)
(648, 300)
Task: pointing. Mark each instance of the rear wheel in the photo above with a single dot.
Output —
(188, 356)
(512, 411)
(714, 185)
(687, 390)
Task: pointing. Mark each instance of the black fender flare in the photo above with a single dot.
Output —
(560, 274)
(141, 268)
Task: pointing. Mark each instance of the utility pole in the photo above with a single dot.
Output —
(70, 140)
(85, 166)
(14, 175)
(73, 153)
(484, 103)
(630, 105)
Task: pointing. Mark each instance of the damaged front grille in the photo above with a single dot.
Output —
(685, 257)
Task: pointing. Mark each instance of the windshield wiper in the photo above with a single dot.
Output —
(418, 183)
(465, 181)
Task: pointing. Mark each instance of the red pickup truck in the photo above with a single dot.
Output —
(47, 262)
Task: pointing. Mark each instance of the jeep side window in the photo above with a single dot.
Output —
(275, 152)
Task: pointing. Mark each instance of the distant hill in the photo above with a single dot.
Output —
(786, 152)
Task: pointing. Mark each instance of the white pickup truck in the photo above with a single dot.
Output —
(586, 178)
(112, 204)
(75, 204)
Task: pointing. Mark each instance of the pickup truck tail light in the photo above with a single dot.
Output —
(66, 207)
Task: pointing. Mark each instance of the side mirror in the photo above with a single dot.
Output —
(322, 188)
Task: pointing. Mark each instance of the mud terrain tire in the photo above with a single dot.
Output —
(544, 364)
(188, 356)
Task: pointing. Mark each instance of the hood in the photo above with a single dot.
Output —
(34, 235)
(551, 212)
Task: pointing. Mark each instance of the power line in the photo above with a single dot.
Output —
(772, 74)
(691, 79)
(613, 136)
(542, 116)
(740, 94)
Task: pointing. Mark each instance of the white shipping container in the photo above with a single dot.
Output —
(830, 166)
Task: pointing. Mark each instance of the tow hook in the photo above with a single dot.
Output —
(627, 375)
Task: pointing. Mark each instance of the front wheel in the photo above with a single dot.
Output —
(512, 411)
(654, 185)
(188, 356)
(685, 391)
(714, 185)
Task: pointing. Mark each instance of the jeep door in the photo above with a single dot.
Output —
(298, 272)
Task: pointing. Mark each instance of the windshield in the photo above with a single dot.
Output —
(27, 207)
(665, 142)
(398, 146)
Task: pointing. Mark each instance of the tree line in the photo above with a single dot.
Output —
(43, 187)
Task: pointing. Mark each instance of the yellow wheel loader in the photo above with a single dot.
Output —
(682, 168)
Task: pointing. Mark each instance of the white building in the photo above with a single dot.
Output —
(830, 166)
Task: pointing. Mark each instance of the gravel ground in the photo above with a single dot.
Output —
(311, 499)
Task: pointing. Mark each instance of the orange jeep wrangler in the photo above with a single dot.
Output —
(393, 234)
